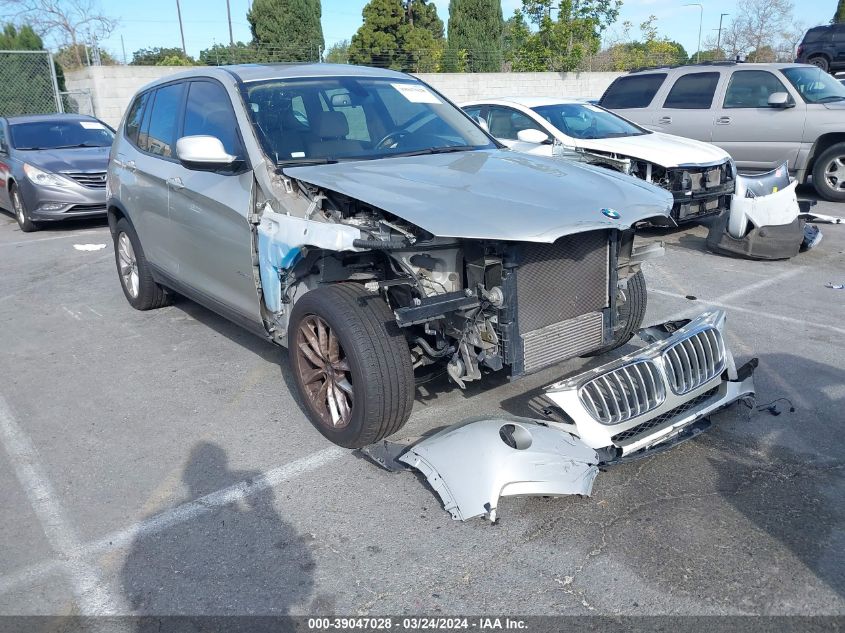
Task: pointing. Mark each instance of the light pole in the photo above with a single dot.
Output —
(181, 30)
(229, 15)
(700, 20)
(719, 37)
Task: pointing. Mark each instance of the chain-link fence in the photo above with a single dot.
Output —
(28, 83)
(78, 102)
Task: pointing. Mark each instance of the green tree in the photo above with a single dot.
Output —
(155, 56)
(26, 86)
(476, 29)
(239, 53)
(567, 31)
(406, 37)
(839, 16)
(291, 28)
(338, 53)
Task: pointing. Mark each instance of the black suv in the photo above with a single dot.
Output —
(824, 46)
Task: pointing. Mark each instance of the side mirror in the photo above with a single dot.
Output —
(780, 100)
(536, 137)
(203, 152)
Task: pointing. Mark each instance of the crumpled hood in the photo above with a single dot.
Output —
(493, 194)
(662, 149)
(75, 159)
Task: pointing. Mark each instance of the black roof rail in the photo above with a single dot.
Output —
(725, 62)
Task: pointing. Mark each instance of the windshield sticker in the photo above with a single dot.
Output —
(92, 125)
(416, 93)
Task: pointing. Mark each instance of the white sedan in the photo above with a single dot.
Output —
(700, 176)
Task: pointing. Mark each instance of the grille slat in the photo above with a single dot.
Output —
(624, 392)
(90, 179)
(694, 361)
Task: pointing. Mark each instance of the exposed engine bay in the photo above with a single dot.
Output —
(472, 304)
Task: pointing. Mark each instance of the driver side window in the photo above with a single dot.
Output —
(507, 123)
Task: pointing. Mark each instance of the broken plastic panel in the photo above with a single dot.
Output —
(281, 240)
(472, 464)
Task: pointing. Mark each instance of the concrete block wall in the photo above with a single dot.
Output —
(112, 87)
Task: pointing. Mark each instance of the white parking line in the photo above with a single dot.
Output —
(722, 299)
(180, 514)
(87, 586)
(768, 315)
(54, 237)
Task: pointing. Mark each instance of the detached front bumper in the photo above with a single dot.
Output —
(647, 401)
(650, 396)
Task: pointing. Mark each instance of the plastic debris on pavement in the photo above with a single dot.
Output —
(89, 247)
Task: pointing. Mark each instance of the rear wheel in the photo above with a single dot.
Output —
(136, 276)
(351, 364)
(829, 173)
(21, 213)
(631, 313)
(821, 62)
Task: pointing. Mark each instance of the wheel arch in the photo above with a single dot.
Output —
(115, 211)
(822, 144)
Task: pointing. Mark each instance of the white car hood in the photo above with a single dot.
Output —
(665, 150)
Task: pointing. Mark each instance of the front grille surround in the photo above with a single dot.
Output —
(694, 360)
(624, 393)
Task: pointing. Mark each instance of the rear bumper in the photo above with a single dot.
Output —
(650, 397)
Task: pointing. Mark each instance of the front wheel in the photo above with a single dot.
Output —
(136, 277)
(630, 313)
(351, 364)
(21, 213)
(829, 173)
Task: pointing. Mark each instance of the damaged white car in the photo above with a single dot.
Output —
(358, 218)
(700, 176)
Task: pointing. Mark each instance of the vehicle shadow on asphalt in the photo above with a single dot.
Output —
(241, 558)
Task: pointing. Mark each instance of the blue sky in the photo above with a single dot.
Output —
(152, 23)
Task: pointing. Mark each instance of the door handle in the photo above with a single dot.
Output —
(664, 120)
(723, 120)
(130, 165)
(175, 182)
(126, 164)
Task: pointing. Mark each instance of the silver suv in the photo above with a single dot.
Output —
(761, 114)
(360, 219)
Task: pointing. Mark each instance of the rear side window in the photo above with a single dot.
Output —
(693, 91)
(633, 91)
(816, 35)
(208, 112)
(751, 89)
(135, 117)
(161, 131)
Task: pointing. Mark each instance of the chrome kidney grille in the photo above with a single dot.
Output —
(624, 393)
(694, 361)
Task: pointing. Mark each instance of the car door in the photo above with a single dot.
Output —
(144, 164)
(5, 167)
(209, 210)
(758, 136)
(686, 109)
(505, 123)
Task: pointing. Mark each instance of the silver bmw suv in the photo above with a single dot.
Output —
(357, 217)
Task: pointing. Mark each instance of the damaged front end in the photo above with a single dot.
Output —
(647, 401)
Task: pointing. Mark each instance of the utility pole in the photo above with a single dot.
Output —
(123, 48)
(700, 20)
(181, 30)
(229, 14)
(719, 37)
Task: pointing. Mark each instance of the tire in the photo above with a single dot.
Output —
(829, 173)
(631, 313)
(369, 362)
(134, 272)
(21, 213)
(821, 62)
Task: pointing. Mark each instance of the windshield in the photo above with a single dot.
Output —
(60, 135)
(345, 118)
(815, 85)
(584, 120)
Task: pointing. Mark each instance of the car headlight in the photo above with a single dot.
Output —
(41, 177)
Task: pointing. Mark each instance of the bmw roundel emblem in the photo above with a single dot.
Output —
(613, 214)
